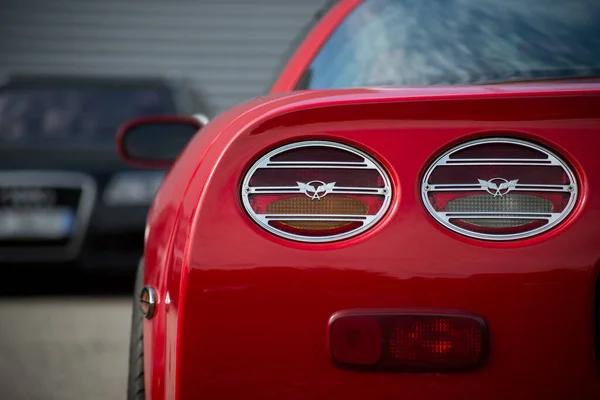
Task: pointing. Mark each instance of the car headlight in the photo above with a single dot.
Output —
(136, 188)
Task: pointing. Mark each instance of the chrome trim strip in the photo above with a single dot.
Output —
(61, 180)
(296, 189)
(264, 162)
(320, 166)
(447, 216)
(500, 161)
(477, 187)
(316, 217)
(351, 163)
(203, 119)
(551, 160)
(267, 163)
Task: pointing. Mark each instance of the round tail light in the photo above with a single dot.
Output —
(499, 189)
(316, 191)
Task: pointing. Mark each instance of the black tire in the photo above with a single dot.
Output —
(135, 381)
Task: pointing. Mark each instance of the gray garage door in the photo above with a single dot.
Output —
(228, 47)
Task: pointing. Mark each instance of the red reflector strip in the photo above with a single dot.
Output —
(523, 225)
(548, 175)
(410, 342)
(499, 150)
(342, 177)
(356, 340)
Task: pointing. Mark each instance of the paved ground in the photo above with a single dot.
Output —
(64, 348)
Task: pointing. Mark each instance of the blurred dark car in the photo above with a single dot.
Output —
(65, 195)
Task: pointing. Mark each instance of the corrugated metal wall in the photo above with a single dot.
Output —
(228, 47)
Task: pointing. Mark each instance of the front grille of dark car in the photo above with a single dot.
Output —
(44, 214)
(61, 197)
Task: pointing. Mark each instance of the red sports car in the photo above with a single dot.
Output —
(423, 223)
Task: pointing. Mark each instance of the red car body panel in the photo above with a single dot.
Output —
(244, 314)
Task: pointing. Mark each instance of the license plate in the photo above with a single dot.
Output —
(52, 223)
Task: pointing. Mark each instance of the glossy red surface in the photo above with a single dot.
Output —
(244, 314)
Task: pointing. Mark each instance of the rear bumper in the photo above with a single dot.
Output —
(263, 331)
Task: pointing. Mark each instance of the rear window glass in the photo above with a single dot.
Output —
(449, 42)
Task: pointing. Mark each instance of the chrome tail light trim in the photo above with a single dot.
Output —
(367, 163)
(550, 219)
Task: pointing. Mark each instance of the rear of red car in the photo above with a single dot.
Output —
(382, 244)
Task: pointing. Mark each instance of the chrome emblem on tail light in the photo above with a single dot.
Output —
(316, 191)
(499, 189)
(498, 186)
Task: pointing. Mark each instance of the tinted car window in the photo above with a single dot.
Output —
(449, 42)
(297, 41)
(74, 117)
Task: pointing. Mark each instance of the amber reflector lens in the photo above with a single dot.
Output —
(327, 205)
(408, 342)
(499, 189)
(145, 301)
(316, 191)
